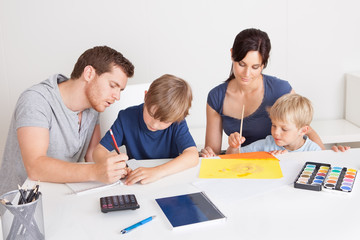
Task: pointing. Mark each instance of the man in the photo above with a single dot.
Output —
(56, 124)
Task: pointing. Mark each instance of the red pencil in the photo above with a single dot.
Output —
(113, 138)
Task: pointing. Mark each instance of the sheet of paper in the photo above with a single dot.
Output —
(259, 165)
(219, 190)
(87, 187)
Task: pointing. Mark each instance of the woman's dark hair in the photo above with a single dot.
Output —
(250, 40)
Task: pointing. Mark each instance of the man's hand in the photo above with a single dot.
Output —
(112, 168)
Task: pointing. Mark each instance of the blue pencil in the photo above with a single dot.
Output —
(142, 222)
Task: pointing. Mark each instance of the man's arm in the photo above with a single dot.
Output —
(41, 167)
(95, 139)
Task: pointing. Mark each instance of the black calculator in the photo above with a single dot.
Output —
(118, 202)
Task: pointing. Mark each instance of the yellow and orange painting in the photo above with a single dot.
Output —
(255, 165)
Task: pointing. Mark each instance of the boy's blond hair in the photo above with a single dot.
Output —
(292, 108)
(168, 99)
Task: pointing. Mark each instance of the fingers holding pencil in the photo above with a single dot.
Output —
(112, 169)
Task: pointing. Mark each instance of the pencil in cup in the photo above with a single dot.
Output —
(23, 221)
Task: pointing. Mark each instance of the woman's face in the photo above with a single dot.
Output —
(249, 68)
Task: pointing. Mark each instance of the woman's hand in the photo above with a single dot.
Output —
(337, 148)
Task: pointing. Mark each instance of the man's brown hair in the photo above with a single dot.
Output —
(168, 99)
(102, 59)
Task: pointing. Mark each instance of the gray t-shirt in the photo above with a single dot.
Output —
(41, 106)
(268, 144)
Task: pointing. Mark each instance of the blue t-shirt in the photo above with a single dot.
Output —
(257, 125)
(268, 144)
(130, 130)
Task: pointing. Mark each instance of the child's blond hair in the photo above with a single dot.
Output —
(292, 108)
(168, 99)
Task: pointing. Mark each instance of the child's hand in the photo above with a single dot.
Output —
(235, 141)
(128, 170)
(143, 175)
(207, 152)
(340, 148)
(275, 152)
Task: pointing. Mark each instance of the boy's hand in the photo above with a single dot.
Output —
(143, 175)
(234, 140)
(340, 148)
(128, 170)
(275, 152)
(207, 152)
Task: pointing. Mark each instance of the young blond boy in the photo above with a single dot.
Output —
(290, 116)
(155, 129)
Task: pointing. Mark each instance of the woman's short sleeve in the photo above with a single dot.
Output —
(216, 97)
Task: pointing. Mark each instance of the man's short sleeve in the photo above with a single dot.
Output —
(32, 110)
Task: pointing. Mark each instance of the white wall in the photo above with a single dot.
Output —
(314, 43)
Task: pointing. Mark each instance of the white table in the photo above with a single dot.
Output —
(275, 210)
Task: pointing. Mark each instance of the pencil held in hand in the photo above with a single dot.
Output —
(114, 141)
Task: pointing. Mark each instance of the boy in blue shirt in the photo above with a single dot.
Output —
(155, 129)
(290, 116)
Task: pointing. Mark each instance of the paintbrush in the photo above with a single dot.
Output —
(241, 126)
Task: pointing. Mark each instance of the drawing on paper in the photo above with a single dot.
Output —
(260, 165)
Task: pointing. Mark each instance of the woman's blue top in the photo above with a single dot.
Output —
(258, 124)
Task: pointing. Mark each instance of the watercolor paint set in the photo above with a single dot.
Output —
(317, 176)
(340, 178)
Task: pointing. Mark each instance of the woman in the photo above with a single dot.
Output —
(248, 87)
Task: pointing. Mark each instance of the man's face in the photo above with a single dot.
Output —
(104, 90)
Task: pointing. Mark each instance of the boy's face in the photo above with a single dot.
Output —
(152, 123)
(287, 134)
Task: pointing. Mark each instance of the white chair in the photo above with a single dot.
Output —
(131, 96)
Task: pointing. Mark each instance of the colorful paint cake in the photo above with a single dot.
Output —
(314, 176)
(340, 178)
